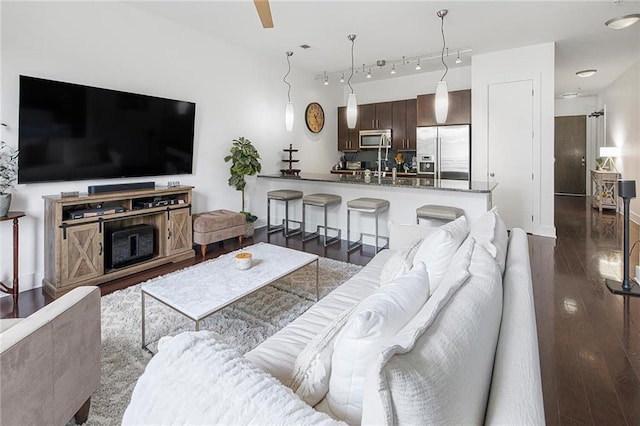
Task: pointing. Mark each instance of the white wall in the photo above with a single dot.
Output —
(110, 44)
(534, 63)
(622, 99)
(408, 87)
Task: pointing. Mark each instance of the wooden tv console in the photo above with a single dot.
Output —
(74, 249)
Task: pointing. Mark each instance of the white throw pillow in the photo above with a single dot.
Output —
(437, 249)
(438, 369)
(401, 234)
(310, 375)
(399, 263)
(491, 232)
(376, 319)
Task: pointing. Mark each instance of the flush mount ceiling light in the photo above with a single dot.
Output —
(623, 21)
(442, 93)
(586, 73)
(288, 111)
(352, 103)
(570, 95)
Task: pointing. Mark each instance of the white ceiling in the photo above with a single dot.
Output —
(392, 29)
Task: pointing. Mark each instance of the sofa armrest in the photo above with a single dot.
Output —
(516, 387)
(195, 378)
(50, 361)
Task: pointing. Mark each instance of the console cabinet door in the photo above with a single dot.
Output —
(82, 254)
(179, 231)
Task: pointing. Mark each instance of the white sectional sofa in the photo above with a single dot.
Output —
(380, 349)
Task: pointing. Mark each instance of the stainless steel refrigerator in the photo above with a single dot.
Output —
(444, 152)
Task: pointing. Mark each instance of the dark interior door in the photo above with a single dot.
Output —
(570, 153)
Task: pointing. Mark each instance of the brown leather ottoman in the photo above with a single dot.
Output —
(217, 225)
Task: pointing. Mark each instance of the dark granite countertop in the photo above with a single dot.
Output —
(388, 181)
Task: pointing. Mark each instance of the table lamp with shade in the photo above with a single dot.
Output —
(609, 153)
(627, 191)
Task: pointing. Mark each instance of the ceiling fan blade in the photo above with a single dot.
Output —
(264, 11)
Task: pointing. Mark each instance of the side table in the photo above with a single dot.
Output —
(14, 216)
(604, 189)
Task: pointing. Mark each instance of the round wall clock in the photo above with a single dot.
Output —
(314, 117)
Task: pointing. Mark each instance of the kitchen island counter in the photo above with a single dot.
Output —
(389, 182)
(405, 195)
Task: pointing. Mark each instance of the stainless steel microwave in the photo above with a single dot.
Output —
(372, 139)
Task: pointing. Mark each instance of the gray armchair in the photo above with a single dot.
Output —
(50, 361)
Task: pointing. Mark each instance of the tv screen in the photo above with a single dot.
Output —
(73, 132)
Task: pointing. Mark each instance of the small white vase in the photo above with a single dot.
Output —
(5, 202)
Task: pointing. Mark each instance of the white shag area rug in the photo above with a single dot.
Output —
(244, 325)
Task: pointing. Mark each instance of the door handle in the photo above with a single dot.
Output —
(169, 234)
(100, 254)
(492, 174)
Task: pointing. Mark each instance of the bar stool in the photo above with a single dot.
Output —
(285, 195)
(324, 201)
(438, 214)
(366, 205)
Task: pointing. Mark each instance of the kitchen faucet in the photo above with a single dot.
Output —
(383, 139)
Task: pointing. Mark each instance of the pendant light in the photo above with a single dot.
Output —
(288, 111)
(352, 103)
(442, 92)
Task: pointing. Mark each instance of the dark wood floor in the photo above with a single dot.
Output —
(589, 339)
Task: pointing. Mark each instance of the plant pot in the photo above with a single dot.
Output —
(250, 229)
(5, 202)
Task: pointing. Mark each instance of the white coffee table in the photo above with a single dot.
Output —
(217, 283)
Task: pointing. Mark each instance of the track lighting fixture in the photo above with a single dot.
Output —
(342, 78)
(369, 73)
(288, 111)
(418, 67)
(326, 79)
(352, 102)
(458, 60)
(393, 69)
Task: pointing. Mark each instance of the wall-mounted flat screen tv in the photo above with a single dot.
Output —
(74, 132)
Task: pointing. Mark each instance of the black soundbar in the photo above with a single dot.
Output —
(99, 189)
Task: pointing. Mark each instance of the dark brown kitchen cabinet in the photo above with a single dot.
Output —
(404, 125)
(347, 138)
(459, 109)
(375, 116)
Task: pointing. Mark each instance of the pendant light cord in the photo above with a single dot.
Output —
(446, 68)
(285, 76)
(352, 38)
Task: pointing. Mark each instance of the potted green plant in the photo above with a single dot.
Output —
(245, 161)
(599, 163)
(8, 173)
